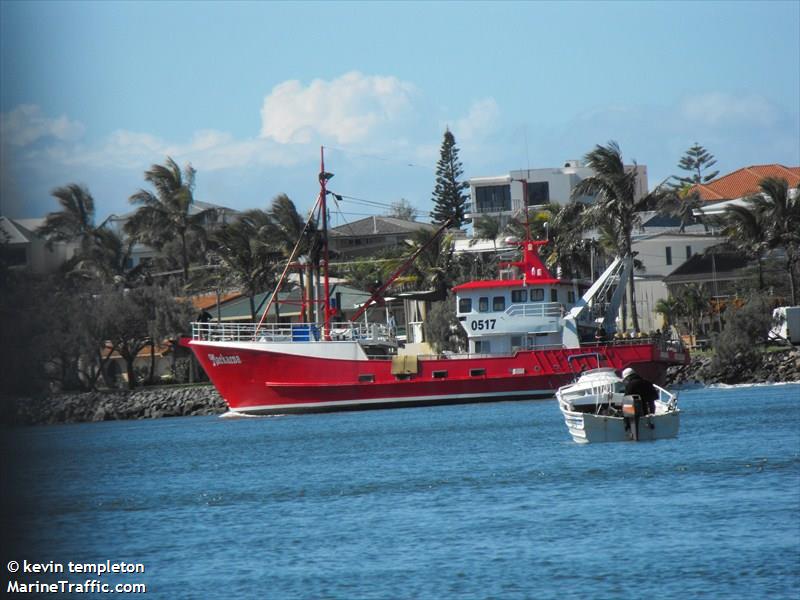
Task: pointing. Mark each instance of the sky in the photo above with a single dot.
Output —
(247, 93)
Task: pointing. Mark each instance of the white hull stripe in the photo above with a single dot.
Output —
(441, 398)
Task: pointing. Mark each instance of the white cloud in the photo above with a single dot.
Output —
(26, 124)
(481, 121)
(718, 108)
(351, 108)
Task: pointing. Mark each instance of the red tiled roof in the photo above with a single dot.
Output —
(744, 182)
(206, 301)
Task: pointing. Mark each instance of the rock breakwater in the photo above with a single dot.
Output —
(146, 403)
(774, 367)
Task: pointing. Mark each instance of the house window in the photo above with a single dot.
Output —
(465, 305)
(553, 295)
(571, 297)
(538, 193)
(499, 303)
(537, 294)
(519, 296)
(688, 252)
(483, 304)
(492, 198)
(669, 255)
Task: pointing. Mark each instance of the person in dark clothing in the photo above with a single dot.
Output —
(635, 385)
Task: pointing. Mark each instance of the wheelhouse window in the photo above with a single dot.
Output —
(688, 252)
(537, 294)
(553, 295)
(465, 305)
(669, 255)
(483, 304)
(492, 198)
(498, 303)
(571, 297)
(519, 296)
(482, 347)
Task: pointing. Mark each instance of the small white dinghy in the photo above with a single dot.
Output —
(596, 409)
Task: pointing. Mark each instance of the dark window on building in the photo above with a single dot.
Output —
(16, 256)
(538, 193)
(519, 296)
(483, 304)
(669, 255)
(553, 295)
(492, 198)
(499, 303)
(537, 294)
(465, 305)
(688, 252)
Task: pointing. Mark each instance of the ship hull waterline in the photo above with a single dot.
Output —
(253, 379)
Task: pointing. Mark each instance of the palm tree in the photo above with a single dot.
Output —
(434, 268)
(669, 308)
(166, 214)
(486, 227)
(682, 203)
(614, 187)
(75, 220)
(562, 226)
(108, 259)
(780, 211)
(289, 228)
(245, 250)
(747, 232)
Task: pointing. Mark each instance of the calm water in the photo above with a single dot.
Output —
(475, 501)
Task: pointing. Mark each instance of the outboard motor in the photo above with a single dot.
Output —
(632, 410)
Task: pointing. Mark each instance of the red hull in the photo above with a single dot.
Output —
(264, 381)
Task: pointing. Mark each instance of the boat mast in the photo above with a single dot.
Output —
(323, 182)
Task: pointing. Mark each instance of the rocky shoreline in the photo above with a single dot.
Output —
(782, 366)
(116, 405)
(180, 401)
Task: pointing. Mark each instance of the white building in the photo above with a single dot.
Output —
(26, 249)
(504, 195)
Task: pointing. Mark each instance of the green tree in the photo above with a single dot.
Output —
(780, 210)
(75, 220)
(403, 209)
(486, 227)
(289, 229)
(747, 232)
(616, 205)
(744, 329)
(696, 161)
(247, 254)
(167, 214)
(669, 308)
(442, 328)
(449, 197)
(434, 268)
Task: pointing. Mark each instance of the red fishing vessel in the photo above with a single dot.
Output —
(522, 330)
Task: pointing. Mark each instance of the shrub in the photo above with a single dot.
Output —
(745, 327)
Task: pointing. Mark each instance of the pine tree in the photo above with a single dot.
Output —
(448, 196)
(696, 160)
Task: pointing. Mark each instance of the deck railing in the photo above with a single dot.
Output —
(290, 332)
(536, 309)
